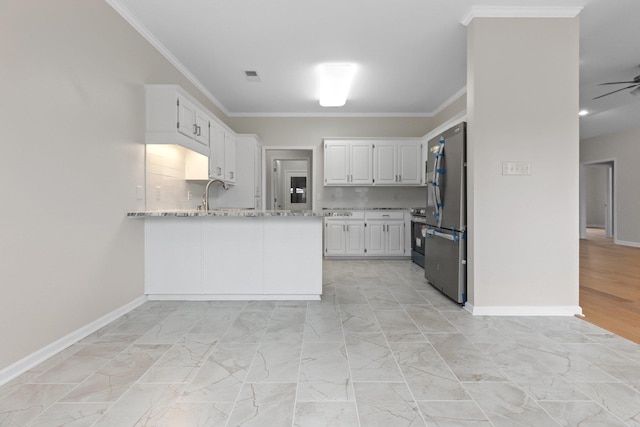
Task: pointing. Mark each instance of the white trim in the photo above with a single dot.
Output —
(315, 170)
(39, 356)
(468, 306)
(460, 117)
(233, 297)
(426, 115)
(625, 243)
(146, 34)
(583, 201)
(519, 12)
(526, 310)
(453, 98)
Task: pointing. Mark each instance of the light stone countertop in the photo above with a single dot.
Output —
(236, 213)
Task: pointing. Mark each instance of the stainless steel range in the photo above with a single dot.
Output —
(418, 234)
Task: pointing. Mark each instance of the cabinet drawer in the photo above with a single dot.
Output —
(385, 215)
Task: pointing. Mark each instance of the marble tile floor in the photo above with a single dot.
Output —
(382, 348)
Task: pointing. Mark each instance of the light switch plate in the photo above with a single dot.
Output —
(516, 168)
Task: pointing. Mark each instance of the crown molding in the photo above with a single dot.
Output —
(144, 32)
(518, 12)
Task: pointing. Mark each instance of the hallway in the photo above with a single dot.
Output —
(610, 284)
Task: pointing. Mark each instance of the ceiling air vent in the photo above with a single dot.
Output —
(252, 76)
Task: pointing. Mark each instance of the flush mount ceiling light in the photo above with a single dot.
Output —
(583, 112)
(334, 82)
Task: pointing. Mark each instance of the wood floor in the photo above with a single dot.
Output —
(610, 284)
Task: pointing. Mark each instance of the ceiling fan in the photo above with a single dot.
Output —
(634, 85)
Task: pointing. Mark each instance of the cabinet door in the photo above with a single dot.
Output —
(229, 158)
(394, 238)
(409, 163)
(186, 117)
(361, 162)
(216, 152)
(336, 163)
(334, 237)
(201, 127)
(385, 162)
(354, 238)
(374, 237)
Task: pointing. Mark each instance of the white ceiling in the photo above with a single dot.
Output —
(411, 54)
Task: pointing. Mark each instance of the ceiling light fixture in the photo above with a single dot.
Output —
(583, 112)
(334, 83)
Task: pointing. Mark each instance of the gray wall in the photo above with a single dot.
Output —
(72, 127)
(523, 238)
(624, 148)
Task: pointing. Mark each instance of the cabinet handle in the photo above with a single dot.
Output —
(195, 129)
(399, 178)
(199, 129)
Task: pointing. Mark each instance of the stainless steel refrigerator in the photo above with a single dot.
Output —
(445, 250)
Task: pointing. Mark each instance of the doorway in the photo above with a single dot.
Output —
(597, 205)
(289, 182)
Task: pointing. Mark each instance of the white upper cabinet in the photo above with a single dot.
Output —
(229, 158)
(397, 163)
(216, 155)
(385, 165)
(373, 162)
(348, 162)
(175, 117)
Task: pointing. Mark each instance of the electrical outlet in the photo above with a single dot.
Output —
(516, 168)
(139, 192)
(189, 195)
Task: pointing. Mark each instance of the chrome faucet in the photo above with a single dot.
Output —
(205, 196)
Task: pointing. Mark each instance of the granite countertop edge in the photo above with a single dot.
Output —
(235, 213)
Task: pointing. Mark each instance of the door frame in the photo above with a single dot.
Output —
(312, 163)
(612, 200)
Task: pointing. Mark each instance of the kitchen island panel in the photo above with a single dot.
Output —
(233, 255)
(173, 256)
(293, 257)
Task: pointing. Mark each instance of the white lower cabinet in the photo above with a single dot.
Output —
(344, 237)
(377, 233)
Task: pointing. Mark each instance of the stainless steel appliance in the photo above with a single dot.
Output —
(446, 217)
(418, 234)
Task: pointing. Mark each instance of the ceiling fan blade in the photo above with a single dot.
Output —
(624, 88)
(615, 83)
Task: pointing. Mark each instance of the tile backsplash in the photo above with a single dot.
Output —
(166, 186)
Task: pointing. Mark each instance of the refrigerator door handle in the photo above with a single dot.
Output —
(451, 237)
(437, 171)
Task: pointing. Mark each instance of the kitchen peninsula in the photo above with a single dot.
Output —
(233, 254)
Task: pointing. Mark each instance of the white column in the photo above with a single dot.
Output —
(522, 105)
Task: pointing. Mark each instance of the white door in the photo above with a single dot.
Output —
(334, 237)
(336, 163)
(395, 238)
(201, 127)
(385, 161)
(361, 162)
(229, 158)
(296, 191)
(216, 150)
(409, 163)
(354, 238)
(374, 238)
(186, 118)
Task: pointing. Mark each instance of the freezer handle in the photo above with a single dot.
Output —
(451, 237)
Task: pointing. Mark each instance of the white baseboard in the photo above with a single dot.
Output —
(623, 243)
(469, 307)
(554, 310)
(23, 365)
(232, 297)
(595, 226)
